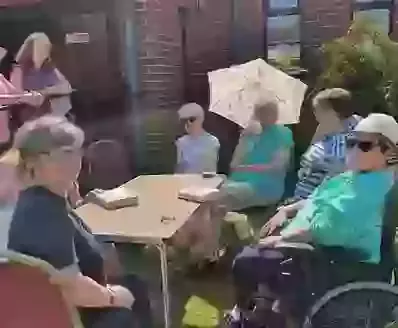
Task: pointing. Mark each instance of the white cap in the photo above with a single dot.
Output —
(191, 110)
(382, 124)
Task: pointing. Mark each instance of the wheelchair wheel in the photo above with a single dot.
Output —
(355, 305)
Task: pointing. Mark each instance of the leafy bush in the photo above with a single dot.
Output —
(365, 61)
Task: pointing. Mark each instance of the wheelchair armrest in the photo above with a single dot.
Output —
(342, 254)
(297, 246)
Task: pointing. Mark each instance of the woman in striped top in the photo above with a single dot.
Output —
(326, 156)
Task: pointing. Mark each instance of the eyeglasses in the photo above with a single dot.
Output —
(366, 146)
(190, 119)
(64, 152)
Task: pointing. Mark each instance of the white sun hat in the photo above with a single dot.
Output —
(191, 110)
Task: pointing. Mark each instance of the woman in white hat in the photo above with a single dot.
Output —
(36, 71)
(197, 151)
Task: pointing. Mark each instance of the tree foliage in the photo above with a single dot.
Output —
(365, 61)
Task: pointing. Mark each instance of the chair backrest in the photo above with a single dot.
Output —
(27, 297)
(107, 165)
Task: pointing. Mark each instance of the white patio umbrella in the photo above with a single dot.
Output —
(234, 91)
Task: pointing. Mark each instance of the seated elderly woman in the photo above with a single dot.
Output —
(197, 151)
(342, 212)
(43, 226)
(259, 168)
(260, 162)
(325, 157)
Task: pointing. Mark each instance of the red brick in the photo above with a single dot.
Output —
(322, 20)
(394, 32)
(209, 39)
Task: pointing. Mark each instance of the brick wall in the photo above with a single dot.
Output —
(322, 20)
(159, 58)
(162, 74)
(221, 33)
(394, 16)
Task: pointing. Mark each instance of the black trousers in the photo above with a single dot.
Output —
(254, 266)
(139, 316)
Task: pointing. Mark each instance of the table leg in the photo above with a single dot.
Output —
(165, 283)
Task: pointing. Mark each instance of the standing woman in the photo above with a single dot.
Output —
(9, 96)
(44, 227)
(35, 71)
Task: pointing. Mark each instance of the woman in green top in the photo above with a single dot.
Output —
(345, 211)
(260, 162)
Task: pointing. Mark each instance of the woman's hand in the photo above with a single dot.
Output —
(74, 196)
(276, 222)
(253, 128)
(32, 98)
(122, 296)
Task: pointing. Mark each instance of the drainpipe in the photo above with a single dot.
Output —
(183, 19)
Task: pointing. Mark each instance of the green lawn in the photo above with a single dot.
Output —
(205, 297)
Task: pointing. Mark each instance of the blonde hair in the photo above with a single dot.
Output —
(10, 157)
(33, 50)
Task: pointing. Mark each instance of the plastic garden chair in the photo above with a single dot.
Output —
(28, 299)
(106, 165)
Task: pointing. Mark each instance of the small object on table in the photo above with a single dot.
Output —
(166, 219)
(198, 194)
(113, 199)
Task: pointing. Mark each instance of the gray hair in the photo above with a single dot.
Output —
(46, 134)
(336, 99)
(41, 136)
(264, 108)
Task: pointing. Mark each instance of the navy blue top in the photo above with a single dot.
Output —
(44, 227)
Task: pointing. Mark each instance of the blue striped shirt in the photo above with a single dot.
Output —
(323, 159)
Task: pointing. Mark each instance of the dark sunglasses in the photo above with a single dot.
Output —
(189, 119)
(366, 146)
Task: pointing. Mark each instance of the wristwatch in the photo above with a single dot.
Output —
(111, 297)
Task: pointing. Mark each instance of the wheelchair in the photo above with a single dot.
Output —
(330, 287)
(333, 287)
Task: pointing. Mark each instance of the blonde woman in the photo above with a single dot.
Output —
(35, 71)
(10, 95)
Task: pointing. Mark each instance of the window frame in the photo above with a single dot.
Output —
(375, 5)
(281, 12)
